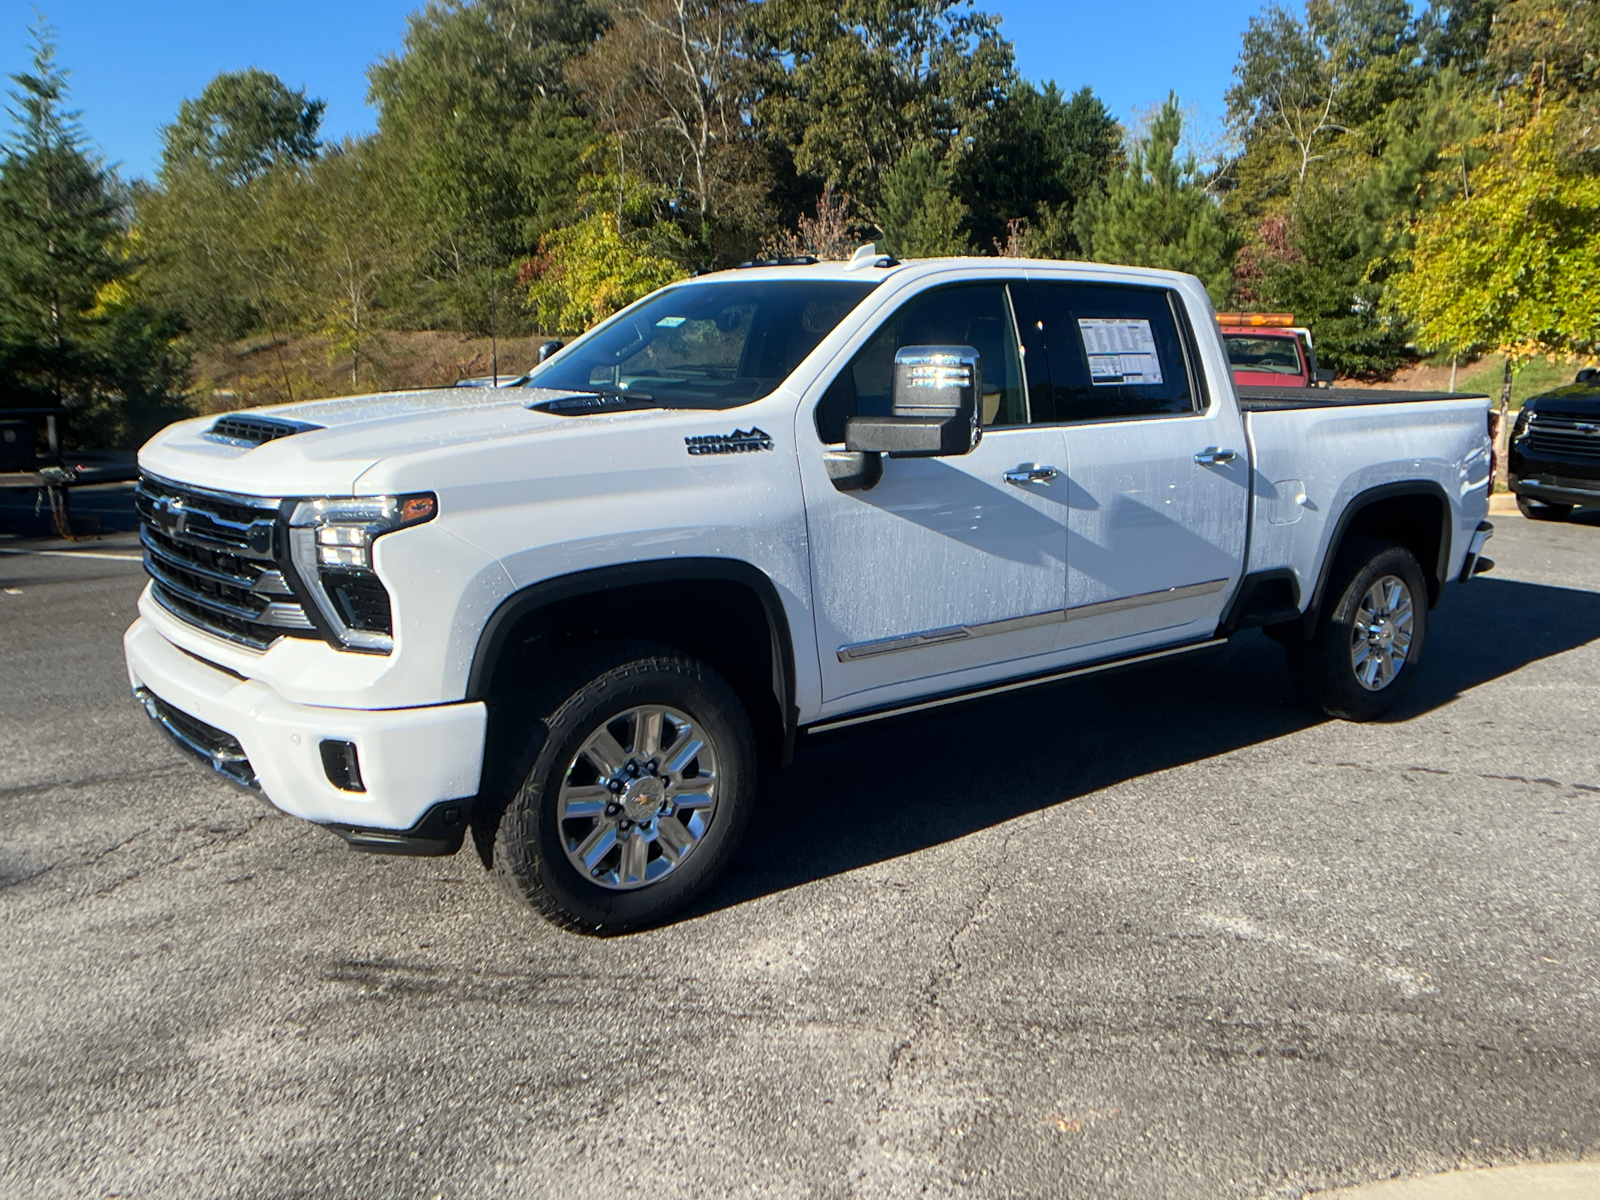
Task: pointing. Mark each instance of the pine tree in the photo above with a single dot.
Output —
(74, 331)
(1158, 213)
(921, 217)
(58, 218)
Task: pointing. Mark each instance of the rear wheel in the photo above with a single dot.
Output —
(1534, 510)
(1369, 637)
(638, 795)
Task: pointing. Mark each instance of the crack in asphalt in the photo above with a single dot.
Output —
(1542, 780)
(951, 966)
(941, 975)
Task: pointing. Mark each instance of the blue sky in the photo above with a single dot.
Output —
(132, 61)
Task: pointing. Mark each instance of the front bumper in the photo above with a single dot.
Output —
(1557, 489)
(413, 760)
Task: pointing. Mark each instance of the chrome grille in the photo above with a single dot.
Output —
(213, 558)
(1563, 436)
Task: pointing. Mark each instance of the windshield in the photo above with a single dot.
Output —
(706, 345)
(1279, 355)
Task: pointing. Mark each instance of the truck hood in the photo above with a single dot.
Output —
(1574, 400)
(348, 436)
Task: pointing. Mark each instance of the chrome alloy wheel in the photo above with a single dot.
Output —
(1380, 636)
(638, 797)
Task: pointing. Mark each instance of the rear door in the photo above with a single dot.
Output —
(1157, 467)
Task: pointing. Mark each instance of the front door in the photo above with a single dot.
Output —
(1158, 471)
(952, 567)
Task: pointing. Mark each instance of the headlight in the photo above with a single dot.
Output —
(1520, 427)
(330, 547)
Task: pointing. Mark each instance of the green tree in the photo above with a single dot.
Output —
(618, 251)
(674, 83)
(920, 215)
(73, 331)
(216, 254)
(1036, 158)
(340, 260)
(1510, 267)
(854, 84)
(484, 140)
(241, 125)
(1158, 212)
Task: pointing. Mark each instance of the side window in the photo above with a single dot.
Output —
(976, 315)
(1115, 351)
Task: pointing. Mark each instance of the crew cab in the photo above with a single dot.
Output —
(1270, 350)
(753, 508)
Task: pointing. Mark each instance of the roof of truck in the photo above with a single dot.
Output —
(880, 266)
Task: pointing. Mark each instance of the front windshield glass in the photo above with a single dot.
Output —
(706, 345)
(1279, 355)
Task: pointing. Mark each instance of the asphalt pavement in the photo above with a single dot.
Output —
(1153, 935)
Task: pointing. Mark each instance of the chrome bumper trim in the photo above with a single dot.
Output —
(223, 758)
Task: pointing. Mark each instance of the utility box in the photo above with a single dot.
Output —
(16, 447)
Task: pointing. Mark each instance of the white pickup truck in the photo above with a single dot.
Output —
(756, 506)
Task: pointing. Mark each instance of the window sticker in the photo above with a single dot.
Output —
(674, 322)
(1120, 351)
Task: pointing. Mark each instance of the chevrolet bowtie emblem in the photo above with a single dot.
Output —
(169, 515)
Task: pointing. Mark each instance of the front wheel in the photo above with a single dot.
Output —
(1535, 511)
(637, 796)
(1368, 640)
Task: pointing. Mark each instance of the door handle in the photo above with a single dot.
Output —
(1212, 456)
(1030, 473)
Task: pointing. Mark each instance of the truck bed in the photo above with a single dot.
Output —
(1278, 399)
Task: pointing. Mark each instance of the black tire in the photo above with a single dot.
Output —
(529, 849)
(1323, 666)
(1536, 510)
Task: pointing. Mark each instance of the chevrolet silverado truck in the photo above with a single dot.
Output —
(757, 506)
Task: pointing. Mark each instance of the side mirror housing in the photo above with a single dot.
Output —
(1324, 377)
(546, 349)
(934, 402)
(1588, 375)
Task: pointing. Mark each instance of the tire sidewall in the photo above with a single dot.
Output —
(1369, 562)
(529, 847)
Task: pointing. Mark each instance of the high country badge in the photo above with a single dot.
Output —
(740, 441)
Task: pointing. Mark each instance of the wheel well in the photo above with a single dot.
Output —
(1417, 521)
(726, 623)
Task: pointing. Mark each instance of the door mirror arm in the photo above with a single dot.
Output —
(853, 470)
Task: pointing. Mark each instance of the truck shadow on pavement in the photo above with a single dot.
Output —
(877, 792)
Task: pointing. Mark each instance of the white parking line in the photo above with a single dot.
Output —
(138, 558)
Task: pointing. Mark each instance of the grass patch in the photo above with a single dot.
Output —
(1535, 377)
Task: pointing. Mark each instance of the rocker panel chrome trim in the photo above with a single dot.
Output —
(957, 633)
(1015, 685)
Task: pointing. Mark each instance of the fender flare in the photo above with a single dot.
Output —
(1365, 499)
(492, 638)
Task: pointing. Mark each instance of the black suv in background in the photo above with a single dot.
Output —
(1555, 449)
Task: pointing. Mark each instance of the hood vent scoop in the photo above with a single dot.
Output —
(253, 431)
(591, 402)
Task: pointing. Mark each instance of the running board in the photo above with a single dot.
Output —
(1015, 685)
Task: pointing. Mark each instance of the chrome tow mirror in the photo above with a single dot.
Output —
(934, 406)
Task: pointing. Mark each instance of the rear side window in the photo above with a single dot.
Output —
(1114, 351)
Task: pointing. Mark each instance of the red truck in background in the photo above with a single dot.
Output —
(1270, 350)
